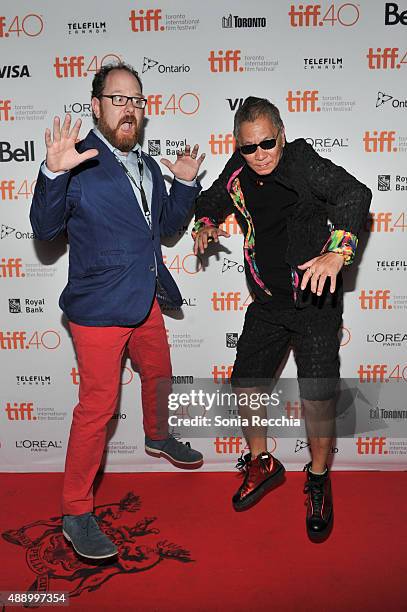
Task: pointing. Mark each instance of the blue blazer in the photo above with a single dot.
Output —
(112, 272)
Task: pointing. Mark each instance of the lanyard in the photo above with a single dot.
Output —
(144, 202)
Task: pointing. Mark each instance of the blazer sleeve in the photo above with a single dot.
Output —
(51, 206)
(345, 199)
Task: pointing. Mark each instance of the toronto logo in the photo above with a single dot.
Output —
(56, 566)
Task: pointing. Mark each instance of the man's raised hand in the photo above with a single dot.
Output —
(61, 152)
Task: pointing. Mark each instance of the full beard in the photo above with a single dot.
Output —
(117, 137)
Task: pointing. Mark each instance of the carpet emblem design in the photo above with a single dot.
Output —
(53, 560)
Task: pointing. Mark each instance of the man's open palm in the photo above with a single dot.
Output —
(61, 152)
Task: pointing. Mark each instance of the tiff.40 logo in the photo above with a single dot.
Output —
(387, 58)
(29, 25)
(310, 15)
(79, 66)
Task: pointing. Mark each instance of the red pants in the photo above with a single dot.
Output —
(100, 352)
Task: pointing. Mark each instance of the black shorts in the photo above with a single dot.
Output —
(312, 333)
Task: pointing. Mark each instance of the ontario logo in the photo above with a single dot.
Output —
(149, 64)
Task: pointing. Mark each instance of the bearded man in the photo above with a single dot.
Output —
(111, 200)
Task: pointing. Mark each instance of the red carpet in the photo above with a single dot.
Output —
(184, 548)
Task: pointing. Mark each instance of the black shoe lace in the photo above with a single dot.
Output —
(316, 491)
(242, 463)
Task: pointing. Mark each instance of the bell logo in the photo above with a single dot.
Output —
(371, 446)
(375, 372)
(146, 21)
(11, 268)
(229, 445)
(380, 142)
(222, 144)
(5, 108)
(375, 300)
(305, 102)
(387, 58)
(222, 373)
(392, 16)
(20, 411)
(225, 61)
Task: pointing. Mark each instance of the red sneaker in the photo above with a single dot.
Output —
(261, 475)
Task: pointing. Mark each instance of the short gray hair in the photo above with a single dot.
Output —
(252, 108)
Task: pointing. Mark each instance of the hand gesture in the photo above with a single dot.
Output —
(206, 235)
(318, 269)
(187, 165)
(61, 152)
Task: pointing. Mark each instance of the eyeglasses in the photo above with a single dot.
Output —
(266, 145)
(118, 100)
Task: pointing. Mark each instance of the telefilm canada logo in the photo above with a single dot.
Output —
(86, 27)
(323, 63)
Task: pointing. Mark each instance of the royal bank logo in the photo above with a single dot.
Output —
(383, 182)
(384, 98)
(234, 21)
(231, 340)
(149, 64)
(154, 147)
(14, 305)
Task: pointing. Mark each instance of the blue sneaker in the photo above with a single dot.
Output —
(178, 453)
(86, 537)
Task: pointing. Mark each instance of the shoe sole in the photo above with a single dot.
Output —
(185, 465)
(320, 536)
(260, 492)
(87, 556)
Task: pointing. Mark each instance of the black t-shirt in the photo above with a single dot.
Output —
(269, 204)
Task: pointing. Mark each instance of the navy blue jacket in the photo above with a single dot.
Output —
(112, 273)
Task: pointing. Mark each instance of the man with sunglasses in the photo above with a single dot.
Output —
(300, 215)
(111, 199)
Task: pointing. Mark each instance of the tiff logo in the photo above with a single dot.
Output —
(307, 101)
(371, 446)
(11, 268)
(230, 301)
(380, 142)
(5, 108)
(12, 340)
(7, 190)
(222, 145)
(225, 61)
(222, 373)
(375, 300)
(380, 222)
(384, 58)
(146, 21)
(228, 445)
(231, 226)
(70, 67)
(20, 411)
(307, 16)
(372, 372)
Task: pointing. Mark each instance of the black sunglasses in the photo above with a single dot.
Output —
(266, 145)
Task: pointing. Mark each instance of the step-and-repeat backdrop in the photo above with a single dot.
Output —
(336, 70)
